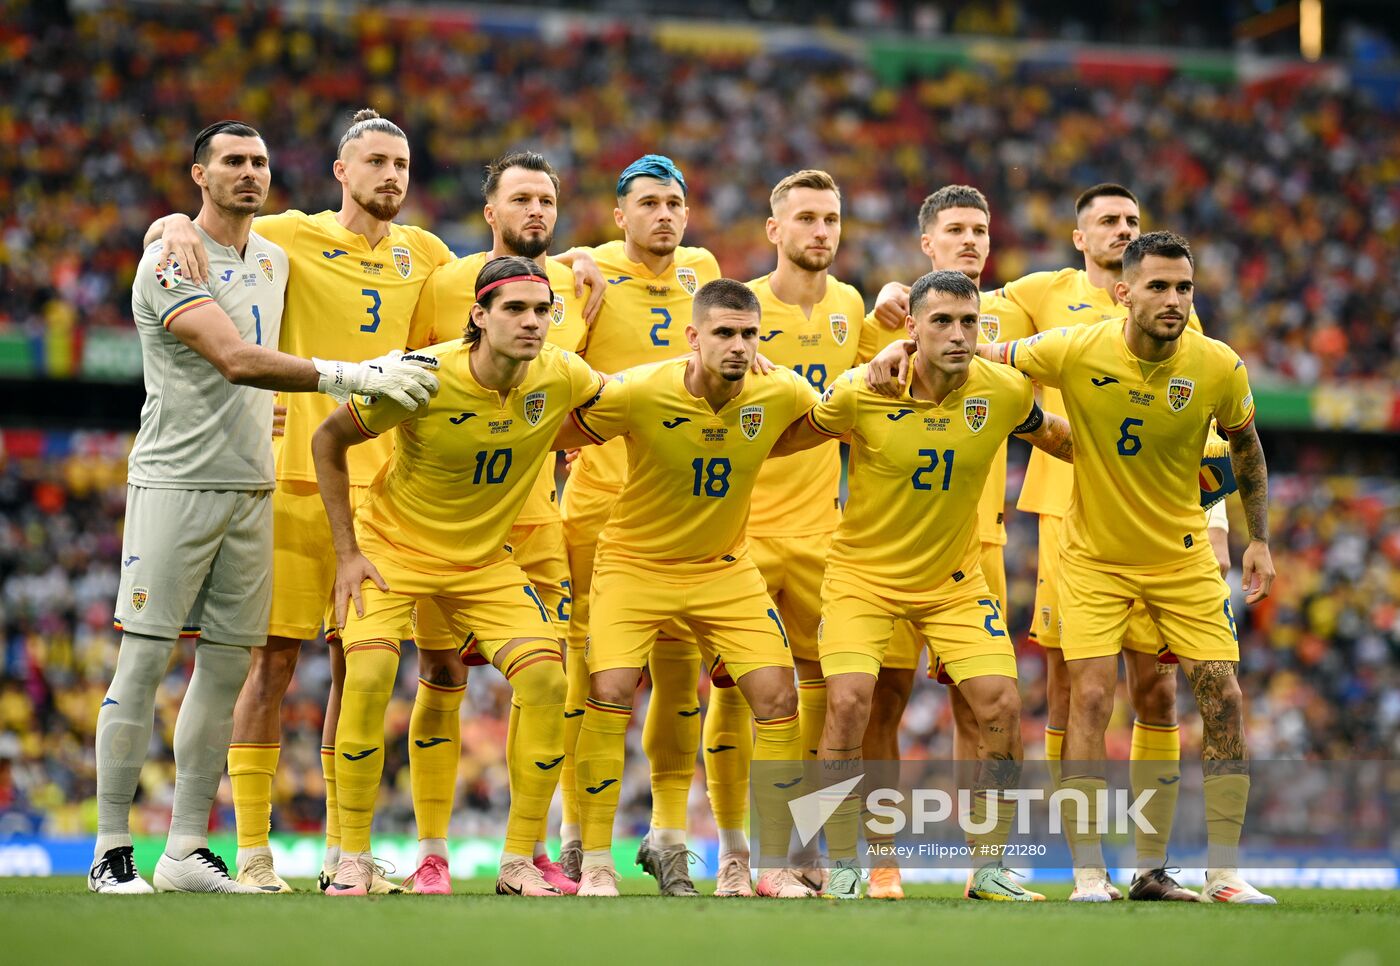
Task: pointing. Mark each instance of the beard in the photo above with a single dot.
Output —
(1110, 262)
(532, 245)
(660, 248)
(379, 210)
(232, 201)
(810, 261)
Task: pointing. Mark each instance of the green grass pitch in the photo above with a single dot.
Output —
(57, 921)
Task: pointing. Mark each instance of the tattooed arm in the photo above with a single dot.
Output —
(1252, 476)
(1053, 436)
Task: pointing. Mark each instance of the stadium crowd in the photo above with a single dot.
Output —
(1319, 658)
(1290, 194)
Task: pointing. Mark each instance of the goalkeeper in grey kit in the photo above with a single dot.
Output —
(197, 543)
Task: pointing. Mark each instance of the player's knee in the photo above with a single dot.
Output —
(371, 673)
(1154, 699)
(540, 684)
(848, 704)
(1092, 700)
(272, 667)
(443, 668)
(1002, 711)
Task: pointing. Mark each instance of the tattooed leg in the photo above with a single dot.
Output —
(1225, 758)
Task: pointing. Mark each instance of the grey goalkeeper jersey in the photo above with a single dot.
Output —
(198, 430)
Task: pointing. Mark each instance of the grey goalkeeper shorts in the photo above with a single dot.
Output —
(197, 563)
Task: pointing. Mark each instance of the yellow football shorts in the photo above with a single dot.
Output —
(729, 610)
(496, 602)
(994, 570)
(539, 551)
(303, 561)
(1140, 633)
(961, 622)
(792, 567)
(1189, 605)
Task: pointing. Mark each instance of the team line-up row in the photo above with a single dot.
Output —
(679, 540)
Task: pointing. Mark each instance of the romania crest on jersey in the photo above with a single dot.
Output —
(403, 261)
(840, 327)
(265, 263)
(750, 421)
(534, 407)
(991, 326)
(1179, 392)
(139, 596)
(688, 279)
(975, 410)
(556, 311)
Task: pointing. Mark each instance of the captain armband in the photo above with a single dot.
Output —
(1034, 421)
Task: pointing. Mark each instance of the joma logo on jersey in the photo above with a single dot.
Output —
(991, 326)
(139, 596)
(265, 263)
(688, 280)
(556, 311)
(403, 261)
(534, 407)
(840, 327)
(1179, 392)
(975, 412)
(750, 421)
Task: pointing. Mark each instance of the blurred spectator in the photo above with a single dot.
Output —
(1291, 196)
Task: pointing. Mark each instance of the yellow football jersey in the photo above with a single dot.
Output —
(642, 320)
(1051, 300)
(462, 468)
(1002, 321)
(345, 301)
(442, 313)
(690, 471)
(1139, 431)
(799, 495)
(916, 473)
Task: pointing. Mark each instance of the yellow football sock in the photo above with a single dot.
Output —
(1054, 743)
(332, 800)
(536, 675)
(434, 747)
(728, 748)
(811, 714)
(1155, 766)
(576, 674)
(602, 747)
(370, 669)
(991, 826)
(777, 740)
(671, 732)
(1085, 846)
(251, 766)
(1227, 796)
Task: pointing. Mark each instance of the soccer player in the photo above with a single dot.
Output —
(197, 543)
(955, 234)
(522, 206)
(357, 277)
(652, 279)
(696, 434)
(812, 324)
(1141, 395)
(434, 526)
(1107, 219)
(908, 548)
